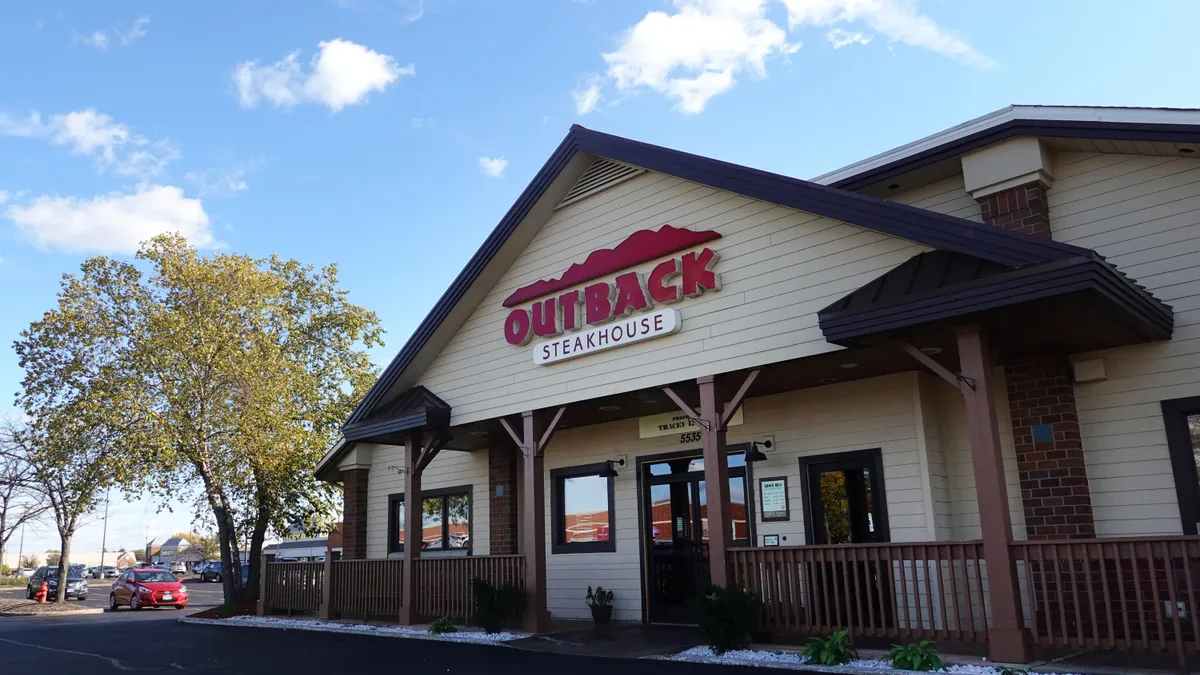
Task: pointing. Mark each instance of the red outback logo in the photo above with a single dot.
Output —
(599, 304)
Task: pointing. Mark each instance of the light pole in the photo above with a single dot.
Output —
(104, 535)
(21, 550)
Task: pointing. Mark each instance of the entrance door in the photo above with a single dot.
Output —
(844, 504)
(675, 507)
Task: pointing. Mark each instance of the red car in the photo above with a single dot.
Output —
(147, 588)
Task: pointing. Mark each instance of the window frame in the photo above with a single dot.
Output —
(558, 543)
(394, 520)
(1183, 463)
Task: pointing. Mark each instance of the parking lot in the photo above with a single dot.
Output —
(200, 596)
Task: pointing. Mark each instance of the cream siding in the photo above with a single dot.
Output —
(1143, 215)
(947, 196)
(778, 266)
(859, 415)
(448, 469)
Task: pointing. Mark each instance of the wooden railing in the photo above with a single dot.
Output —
(443, 585)
(1138, 593)
(292, 586)
(930, 590)
(366, 588)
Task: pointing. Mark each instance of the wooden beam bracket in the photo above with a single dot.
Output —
(738, 398)
(686, 409)
(956, 380)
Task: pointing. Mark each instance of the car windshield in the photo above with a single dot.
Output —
(157, 577)
(72, 571)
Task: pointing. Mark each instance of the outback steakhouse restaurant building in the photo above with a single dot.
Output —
(941, 393)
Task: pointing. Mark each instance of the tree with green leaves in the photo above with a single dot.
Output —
(230, 373)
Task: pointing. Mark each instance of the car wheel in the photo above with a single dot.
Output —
(28, 593)
(180, 606)
(112, 602)
(134, 604)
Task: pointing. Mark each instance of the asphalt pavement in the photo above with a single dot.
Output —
(152, 641)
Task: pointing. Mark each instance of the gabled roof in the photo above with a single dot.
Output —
(1168, 125)
(914, 224)
(414, 409)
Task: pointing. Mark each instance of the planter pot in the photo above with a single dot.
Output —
(601, 613)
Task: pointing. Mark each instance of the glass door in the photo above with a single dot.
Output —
(675, 505)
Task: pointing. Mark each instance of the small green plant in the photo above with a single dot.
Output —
(599, 597)
(495, 605)
(726, 617)
(1011, 670)
(442, 625)
(834, 650)
(921, 655)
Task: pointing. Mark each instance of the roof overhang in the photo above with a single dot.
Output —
(1169, 125)
(914, 224)
(1074, 305)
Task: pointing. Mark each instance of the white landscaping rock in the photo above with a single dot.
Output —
(772, 659)
(357, 628)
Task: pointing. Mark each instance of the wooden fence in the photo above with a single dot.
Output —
(1138, 593)
(443, 585)
(934, 590)
(366, 588)
(292, 586)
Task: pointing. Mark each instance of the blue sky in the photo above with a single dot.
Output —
(390, 136)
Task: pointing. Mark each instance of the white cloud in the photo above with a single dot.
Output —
(702, 48)
(136, 31)
(697, 52)
(97, 39)
(341, 73)
(93, 134)
(842, 38)
(587, 95)
(493, 167)
(899, 20)
(224, 182)
(111, 223)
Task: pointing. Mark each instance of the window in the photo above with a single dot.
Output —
(582, 510)
(445, 520)
(1181, 417)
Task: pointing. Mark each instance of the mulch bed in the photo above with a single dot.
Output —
(226, 611)
(28, 606)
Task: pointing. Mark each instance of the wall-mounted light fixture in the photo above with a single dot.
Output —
(756, 455)
(609, 470)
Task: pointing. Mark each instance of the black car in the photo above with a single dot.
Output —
(77, 585)
(212, 572)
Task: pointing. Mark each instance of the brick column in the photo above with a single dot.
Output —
(354, 514)
(1041, 401)
(502, 484)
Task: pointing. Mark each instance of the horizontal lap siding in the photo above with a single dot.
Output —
(779, 267)
(448, 469)
(874, 413)
(947, 196)
(1143, 215)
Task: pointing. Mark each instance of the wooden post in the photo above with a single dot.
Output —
(267, 559)
(413, 528)
(713, 422)
(716, 479)
(326, 611)
(534, 437)
(1006, 637)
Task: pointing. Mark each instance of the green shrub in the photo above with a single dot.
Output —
(726, 617)
(495, 605)
(443, 625)
(921, 655)
(834, 650)
(599, 597)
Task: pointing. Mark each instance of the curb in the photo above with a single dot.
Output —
(349, 629)
(73, 612)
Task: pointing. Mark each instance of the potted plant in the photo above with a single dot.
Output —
(600, 601)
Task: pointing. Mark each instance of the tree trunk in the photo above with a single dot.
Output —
(262, 518)
(64, 562)
(231, 571)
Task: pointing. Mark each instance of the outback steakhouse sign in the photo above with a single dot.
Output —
(612, 313)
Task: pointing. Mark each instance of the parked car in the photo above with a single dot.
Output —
(179, 567)
(77, 586)
(212, 572)
(106, 572)
(147, 588)
(25, 572)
